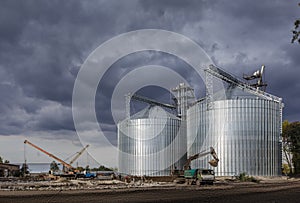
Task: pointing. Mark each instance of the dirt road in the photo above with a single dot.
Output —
(235, 192)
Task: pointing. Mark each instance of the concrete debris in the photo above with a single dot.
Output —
(65, 184)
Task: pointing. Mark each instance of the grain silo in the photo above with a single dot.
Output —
(152, 143)
(244, 127)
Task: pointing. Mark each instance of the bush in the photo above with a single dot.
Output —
(243, 177)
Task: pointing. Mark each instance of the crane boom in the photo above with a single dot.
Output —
(50, 155)
(78, 155)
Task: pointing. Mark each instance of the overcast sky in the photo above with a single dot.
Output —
(44, 43)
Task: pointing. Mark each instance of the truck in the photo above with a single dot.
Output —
(89, 174)
(199, 176)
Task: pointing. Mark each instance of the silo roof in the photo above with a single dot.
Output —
(234, 92)
(153, 112)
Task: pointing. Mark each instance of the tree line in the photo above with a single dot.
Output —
(291, 147)
(296, 31)
(2, 161)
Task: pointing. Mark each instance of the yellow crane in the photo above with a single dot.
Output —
(78, 154)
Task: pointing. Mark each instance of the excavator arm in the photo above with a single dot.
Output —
(214, 162)
(191, 158)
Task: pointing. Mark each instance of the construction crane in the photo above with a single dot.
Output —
(65, 164)
(214, 162)
(78, 154)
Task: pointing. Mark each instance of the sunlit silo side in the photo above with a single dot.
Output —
(150, 142)
(244, 132)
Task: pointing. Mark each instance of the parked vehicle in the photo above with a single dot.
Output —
(199, 176)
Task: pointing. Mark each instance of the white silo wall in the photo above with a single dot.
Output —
(151, 146)
(244, 132)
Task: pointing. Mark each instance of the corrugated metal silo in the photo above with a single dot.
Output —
(150, 142)
(245, 133)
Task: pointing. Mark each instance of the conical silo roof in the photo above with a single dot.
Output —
(153, 112)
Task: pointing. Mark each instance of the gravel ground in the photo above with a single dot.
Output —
(267, 191)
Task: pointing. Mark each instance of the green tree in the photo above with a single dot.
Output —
(286, 169)
(24, 170)
(286, 145)
(296, 31)
(80, 168)
(54, 166)
(3, 161)
(291, 133)
(102, 168)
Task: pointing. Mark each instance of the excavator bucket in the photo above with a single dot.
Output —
(213, 162)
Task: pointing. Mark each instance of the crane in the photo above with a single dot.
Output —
(78, 155)
(65, 164)
(214, 162)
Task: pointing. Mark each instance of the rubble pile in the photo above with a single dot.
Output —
(64, 184)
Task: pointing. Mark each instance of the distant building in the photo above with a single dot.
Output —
(7, 170)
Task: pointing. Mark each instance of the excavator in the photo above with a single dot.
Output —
(198, 176)
(214, 162)
(68, 169)
(201, 176)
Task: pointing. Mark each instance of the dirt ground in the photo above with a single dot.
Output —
(274, 191)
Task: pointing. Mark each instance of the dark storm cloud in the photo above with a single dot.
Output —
(43, 44)
(43, 41)
(122, 67)
(252, 34)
